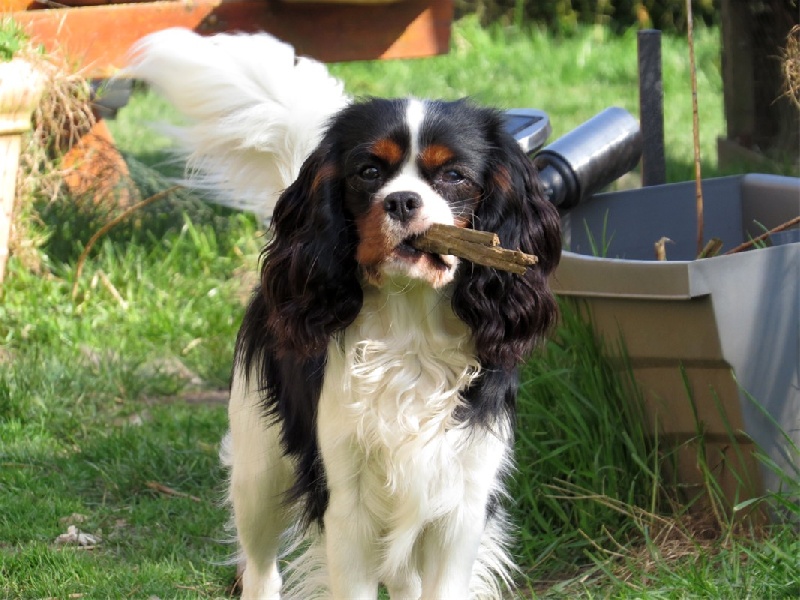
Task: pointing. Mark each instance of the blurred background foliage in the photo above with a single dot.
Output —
(565, 16)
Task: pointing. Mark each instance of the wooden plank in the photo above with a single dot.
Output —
(99, 37)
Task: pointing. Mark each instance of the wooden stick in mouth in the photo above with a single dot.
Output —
(480, 247)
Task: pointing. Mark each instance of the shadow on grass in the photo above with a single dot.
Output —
(70, 222)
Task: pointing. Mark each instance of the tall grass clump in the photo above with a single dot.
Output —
(597, 512)
(581, 450)
(784, 502)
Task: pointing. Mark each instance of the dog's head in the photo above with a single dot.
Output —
(384, 172)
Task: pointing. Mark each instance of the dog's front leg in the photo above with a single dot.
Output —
(452, 544)
(449, 554)
(259, 478)
(350, 547)
(350, 533)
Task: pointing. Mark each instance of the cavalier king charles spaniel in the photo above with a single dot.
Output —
(373, 391)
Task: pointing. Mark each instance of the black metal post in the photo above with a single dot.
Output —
(651, 107)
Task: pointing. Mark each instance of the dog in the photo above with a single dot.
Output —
(374, 385)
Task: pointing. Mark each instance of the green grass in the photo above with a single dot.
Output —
(579, 432)
(12, 39)
(96, 391)
(83, 426)
(56, 467)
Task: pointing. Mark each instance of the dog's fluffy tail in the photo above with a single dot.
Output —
(255, 110)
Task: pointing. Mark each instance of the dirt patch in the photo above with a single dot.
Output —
(209, 397)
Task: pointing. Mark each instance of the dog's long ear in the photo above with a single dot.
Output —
(509, 313)
(309, 280)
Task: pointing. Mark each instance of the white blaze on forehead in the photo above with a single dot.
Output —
(415, 113)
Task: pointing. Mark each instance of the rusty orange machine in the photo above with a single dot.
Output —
(99, 33)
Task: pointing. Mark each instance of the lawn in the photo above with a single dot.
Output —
(112, 400)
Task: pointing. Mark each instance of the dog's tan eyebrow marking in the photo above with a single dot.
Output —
(387, 150)
(435, 155)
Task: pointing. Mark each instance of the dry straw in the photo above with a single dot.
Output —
(63, 159)
(61, 115)
(791, 66)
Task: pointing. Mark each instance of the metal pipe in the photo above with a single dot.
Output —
(589, 157)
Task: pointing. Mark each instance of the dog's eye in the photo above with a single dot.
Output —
(369, 173)
(452, 176)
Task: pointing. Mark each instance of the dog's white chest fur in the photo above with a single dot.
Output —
(392, 385)
(398, 462)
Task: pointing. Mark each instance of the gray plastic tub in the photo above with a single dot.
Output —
(731, 324)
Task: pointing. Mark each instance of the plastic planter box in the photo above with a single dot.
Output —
(730, 323)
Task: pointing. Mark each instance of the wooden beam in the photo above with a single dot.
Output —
(99, 37)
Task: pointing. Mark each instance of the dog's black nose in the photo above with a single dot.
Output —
(401, 206)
